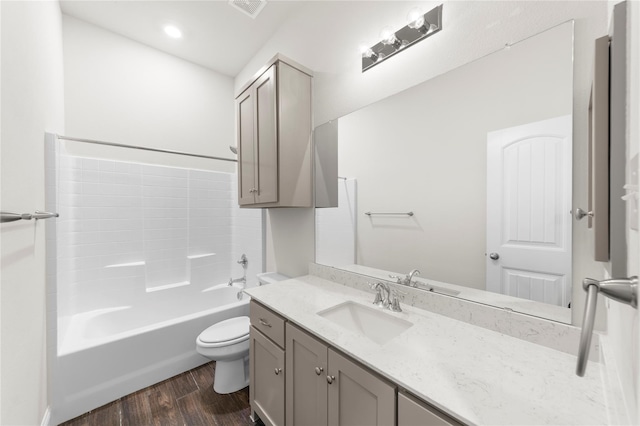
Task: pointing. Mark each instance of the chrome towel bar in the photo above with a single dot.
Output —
(393, 214)
(624, 290)
(12, 217)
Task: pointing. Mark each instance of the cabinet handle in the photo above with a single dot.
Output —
(319, 370)
(264, 322)
(330, 379)
(278, 371)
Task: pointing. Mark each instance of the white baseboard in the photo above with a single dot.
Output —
(46, 419)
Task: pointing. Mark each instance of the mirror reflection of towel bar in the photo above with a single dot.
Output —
(12, 217)
(393, 214)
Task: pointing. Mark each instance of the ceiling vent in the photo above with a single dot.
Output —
(249, 7)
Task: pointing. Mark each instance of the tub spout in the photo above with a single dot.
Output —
(242, 280)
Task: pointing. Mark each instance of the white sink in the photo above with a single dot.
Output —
(371, 322)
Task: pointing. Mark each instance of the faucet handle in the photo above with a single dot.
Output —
(395, 302)
(378, 300)
(397, 278)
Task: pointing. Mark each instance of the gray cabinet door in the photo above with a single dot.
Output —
(306, 379)
(412, 412)
(357, 397)
(266, 389)
(266, 137)
(245, 111)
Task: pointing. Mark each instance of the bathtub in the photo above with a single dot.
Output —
(108, 353)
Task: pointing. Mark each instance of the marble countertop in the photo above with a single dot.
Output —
(476, 375)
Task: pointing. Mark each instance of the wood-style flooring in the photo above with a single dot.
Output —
(186, 399)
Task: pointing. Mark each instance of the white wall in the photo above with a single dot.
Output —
(122, 91)
(32, 103)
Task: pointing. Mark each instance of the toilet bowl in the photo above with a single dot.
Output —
(227, 343)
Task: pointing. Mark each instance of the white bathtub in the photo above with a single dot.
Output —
(108, 353)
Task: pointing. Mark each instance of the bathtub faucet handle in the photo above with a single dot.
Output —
(244, 261)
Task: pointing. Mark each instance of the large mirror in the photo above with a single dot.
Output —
(465, 177)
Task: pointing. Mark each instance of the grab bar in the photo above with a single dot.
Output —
(624, 290)
(394, 214)
(12, 217)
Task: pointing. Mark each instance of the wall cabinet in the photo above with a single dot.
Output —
(274, 137)
(326, 388)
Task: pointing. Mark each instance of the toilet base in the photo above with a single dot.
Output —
(231, 376)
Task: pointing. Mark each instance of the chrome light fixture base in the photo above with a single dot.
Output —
(405, 36)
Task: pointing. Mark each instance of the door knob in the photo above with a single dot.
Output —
(319, 370)
(330, 379)
(579, 214)
(494, 256)
(278, 371)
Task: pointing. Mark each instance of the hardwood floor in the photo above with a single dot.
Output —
(186, 399)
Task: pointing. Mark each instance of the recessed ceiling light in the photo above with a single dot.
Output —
(172, 31)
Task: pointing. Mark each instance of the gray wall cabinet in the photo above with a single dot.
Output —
(273, 115)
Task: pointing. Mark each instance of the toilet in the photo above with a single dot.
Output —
(227, 343)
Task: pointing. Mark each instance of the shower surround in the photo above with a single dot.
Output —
(138, 263)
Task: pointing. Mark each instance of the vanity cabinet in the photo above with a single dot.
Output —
(274, 137)
(326, 388)
(319, 386)
(267, 365)
(413, 412)
(306, 378)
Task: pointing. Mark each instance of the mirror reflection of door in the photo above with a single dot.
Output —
(528, 204)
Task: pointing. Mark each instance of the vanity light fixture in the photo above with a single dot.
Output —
(172, 31)
(419, 27)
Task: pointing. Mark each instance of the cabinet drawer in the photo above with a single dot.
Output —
(412, 412)
(268, 323)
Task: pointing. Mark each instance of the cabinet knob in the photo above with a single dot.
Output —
(330, 379)
(319, 370)
(278, 371)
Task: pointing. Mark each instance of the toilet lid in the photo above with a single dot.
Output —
(224, 331)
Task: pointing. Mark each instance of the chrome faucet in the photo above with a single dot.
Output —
(391, 297)
(244, 262)
(408, 279)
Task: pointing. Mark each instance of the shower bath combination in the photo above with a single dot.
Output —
(135, 287)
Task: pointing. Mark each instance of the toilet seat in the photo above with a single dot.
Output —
(225, 333)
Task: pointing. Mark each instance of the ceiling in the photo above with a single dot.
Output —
(215, 34)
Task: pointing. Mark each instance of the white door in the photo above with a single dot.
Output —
(528, 204)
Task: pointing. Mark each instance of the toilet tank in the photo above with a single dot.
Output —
(270, 277)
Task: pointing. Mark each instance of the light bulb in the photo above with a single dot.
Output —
(388, 36)
(368, 53)
(172, 31)
(415, 18)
